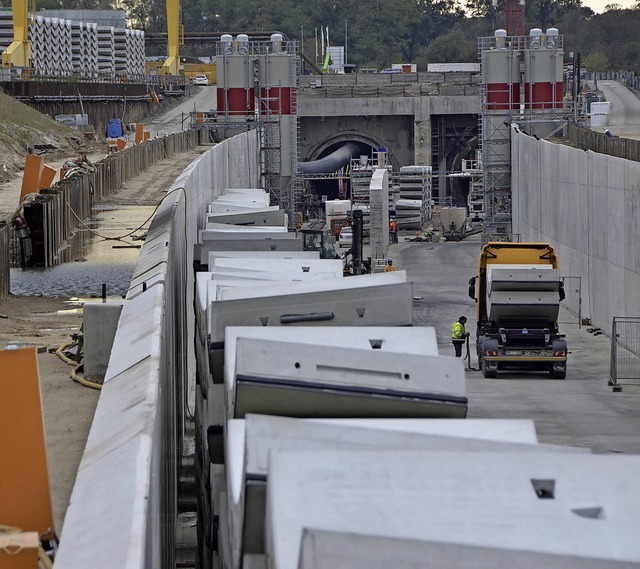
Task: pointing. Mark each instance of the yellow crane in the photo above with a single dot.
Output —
(18, 54)
(172, 63)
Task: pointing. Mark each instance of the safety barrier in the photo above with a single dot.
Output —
(625, 352)
(123, 508)
(628, 78)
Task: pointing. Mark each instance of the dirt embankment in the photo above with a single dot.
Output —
(24, 130)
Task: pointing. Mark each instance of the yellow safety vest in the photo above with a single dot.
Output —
(389, 268)
(457, 330)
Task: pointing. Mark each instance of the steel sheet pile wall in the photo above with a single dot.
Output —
(5, 244)
(586, 205)
(123, 506)
(53, 214)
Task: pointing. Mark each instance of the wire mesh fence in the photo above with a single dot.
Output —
(625, 351)
(572, 302)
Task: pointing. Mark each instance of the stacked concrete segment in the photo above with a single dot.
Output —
(120, 50)
(106, 51)
(51, 46)
(6, 30)
(84, 38)
(135, 52)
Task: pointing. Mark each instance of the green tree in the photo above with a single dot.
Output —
(597, 62)
(450, 48)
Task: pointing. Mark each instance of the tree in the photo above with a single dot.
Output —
(450, 48)
(597, 62)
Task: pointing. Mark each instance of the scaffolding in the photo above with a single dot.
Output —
(509, 96)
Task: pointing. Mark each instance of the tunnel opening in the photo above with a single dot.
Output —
(334, 183)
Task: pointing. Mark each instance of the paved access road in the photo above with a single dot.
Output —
(177, 118)
(624, 118)
(578, 411)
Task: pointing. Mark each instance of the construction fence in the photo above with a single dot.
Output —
(588, 139)
(54, 214)
(625, 351)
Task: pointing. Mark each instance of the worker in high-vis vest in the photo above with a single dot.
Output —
(459, 335)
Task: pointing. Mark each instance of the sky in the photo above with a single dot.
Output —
(598, 6)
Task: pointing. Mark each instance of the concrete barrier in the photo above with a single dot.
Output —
(586, 205)
(124, 502)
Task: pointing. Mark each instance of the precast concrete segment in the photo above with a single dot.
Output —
(506, 430)
(214, 227)
(381, 304)
(326, 549)
(285, 378)
(251, 441)
(585, 205)
(271, 215)
(553, 503)
(280, 265)
(239, 276)
(398, 340)
(284, 243)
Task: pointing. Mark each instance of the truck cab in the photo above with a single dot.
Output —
(518, 292)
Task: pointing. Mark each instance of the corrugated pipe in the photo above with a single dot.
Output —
(332, 162)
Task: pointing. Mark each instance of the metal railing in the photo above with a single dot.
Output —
(625, 352)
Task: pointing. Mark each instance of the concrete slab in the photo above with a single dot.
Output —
(250, 442)
(322, 549)
(572, 505)
(294, 379)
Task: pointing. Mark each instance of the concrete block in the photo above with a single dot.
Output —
(579, 505)
(100, 322)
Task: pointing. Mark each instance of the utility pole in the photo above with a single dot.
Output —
(345, 41)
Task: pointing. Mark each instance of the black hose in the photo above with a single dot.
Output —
(468, 358)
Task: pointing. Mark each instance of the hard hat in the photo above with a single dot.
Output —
(389, 261)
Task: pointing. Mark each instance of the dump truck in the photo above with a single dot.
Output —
(518, 292)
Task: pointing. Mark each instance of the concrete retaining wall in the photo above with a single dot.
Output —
(587, 206)
(128, 476)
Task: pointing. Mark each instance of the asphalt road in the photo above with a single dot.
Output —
(624, 118)
(578, 411)
(177, 119)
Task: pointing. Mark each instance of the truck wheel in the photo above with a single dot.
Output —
(560, 374)
(489, 374)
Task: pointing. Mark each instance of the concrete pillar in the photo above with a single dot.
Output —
(422, 132)
(379, 213)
